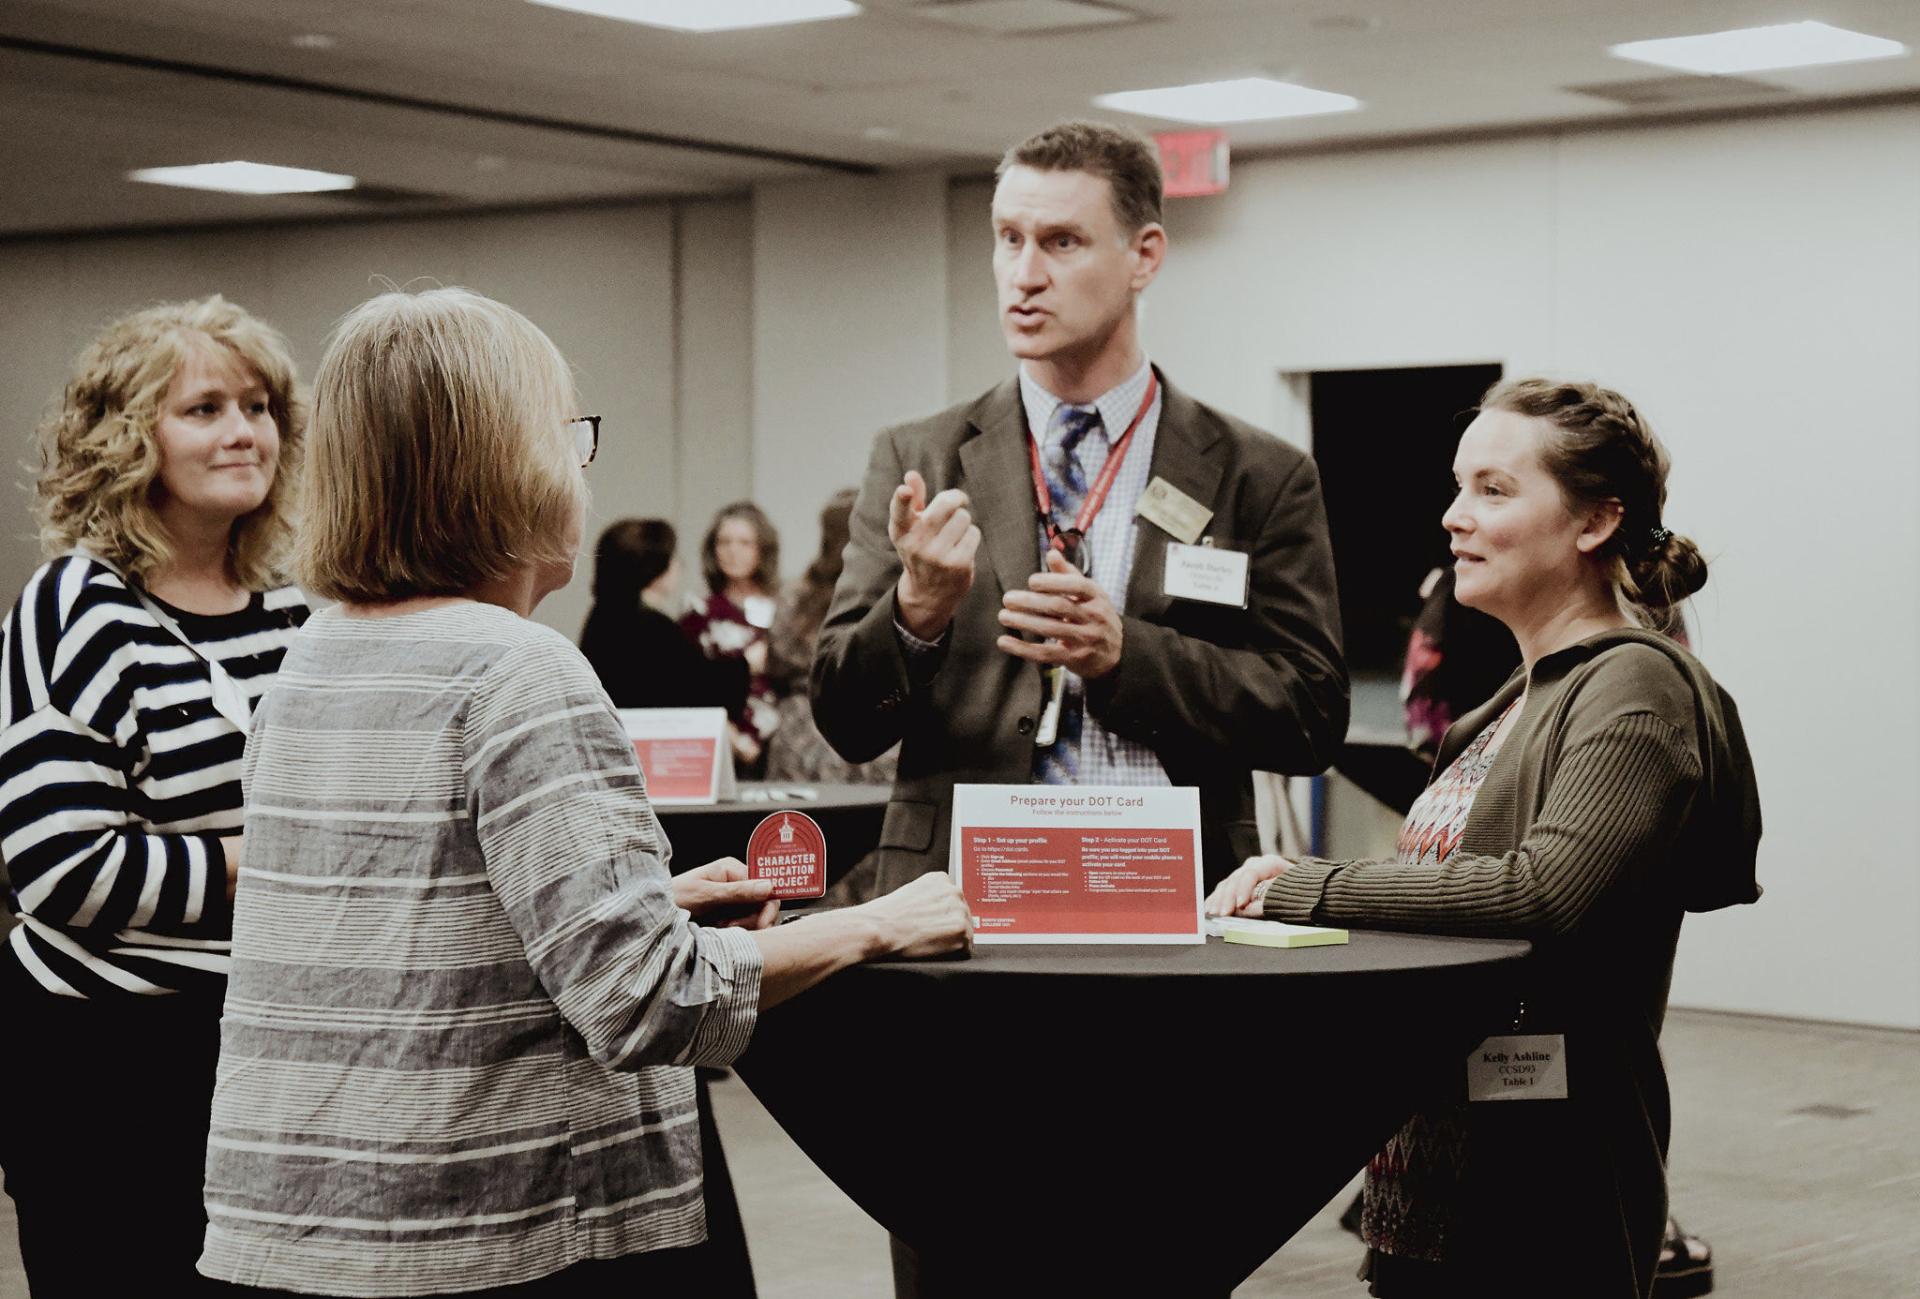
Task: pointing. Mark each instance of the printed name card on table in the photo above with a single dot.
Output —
(1079, 863)
(683, 752)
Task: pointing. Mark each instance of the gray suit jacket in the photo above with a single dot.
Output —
(1217, 692)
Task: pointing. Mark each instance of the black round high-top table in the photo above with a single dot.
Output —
(849, 817)
(1119, 1120)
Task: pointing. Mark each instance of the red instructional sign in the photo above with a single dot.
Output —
(1119, 879)
(1193, 163)
(679, 768)
(790, 849)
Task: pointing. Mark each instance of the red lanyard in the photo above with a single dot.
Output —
(1097, 494)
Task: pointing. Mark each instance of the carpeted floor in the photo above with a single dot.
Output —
(1796, 1152)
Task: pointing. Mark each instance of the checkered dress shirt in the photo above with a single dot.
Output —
(1106, 758)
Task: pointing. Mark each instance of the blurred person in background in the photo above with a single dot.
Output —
(133, 660)
(798, 752)
(630, 636)
(740, 560)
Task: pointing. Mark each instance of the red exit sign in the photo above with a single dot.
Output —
(1193, 162)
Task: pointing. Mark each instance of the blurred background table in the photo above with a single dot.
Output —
(849, 816)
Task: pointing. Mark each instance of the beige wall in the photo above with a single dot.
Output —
(976, 351)
(600, 282)
(849, 334)
(713, 420)
(1754, 285)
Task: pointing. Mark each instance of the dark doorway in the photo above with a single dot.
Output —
(1384, 442)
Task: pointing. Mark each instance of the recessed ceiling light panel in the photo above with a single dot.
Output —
(1757, 49)
(709, 15)
(244, 178)
(1248, 99)
(1024, 17)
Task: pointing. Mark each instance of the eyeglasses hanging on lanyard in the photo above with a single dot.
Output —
(1072, 542)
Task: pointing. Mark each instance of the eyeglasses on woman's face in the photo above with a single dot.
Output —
(586, 437)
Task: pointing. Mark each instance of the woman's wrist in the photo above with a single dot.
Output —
(870, 939)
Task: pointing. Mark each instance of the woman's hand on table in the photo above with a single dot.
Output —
(927, 917)
(924, 917)
(1244, 893)
(745, 747)
(723, 886)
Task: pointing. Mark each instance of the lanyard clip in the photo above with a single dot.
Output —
(1074, 546)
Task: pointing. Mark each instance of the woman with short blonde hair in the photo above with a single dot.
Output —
(132, 662)
(467, 995)
(740, 560)
(436, 485)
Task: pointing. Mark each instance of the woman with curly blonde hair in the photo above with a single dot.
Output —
(131, 663)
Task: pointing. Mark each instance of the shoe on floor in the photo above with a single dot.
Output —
(1685, 1269)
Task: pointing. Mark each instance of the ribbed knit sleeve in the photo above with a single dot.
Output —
(1615, 801)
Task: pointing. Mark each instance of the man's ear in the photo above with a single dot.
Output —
(1602, 521)
(1149, 247)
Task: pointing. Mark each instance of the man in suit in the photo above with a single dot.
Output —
(947, 629)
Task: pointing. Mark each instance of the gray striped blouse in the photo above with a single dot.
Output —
(463, 1003)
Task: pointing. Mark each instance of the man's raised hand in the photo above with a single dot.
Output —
(1078, 626)
(936, 541)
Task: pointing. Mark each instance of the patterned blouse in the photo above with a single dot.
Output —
(1412, 1180)
(798, 751)
(724, 630)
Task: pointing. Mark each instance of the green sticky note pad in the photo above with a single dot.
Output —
(1273, 933)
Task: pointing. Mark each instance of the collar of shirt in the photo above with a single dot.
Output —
(1116, 406)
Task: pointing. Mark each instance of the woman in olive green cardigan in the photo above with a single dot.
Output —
(1601, 794)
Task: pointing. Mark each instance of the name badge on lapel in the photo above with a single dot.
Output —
(1172, 511)
(1206, 573)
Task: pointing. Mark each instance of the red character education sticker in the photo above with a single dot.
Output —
(789, 849)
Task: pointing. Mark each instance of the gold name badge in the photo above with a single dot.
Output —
(1172, 510)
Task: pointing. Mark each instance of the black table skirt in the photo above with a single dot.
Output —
(1119, 1120)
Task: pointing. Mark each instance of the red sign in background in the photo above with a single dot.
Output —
(790, 849)
(1192, 163)
(677, 768)
(1111, 880)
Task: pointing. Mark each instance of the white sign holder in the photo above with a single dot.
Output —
(684, 753)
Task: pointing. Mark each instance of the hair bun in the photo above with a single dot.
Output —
(1672, 570)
